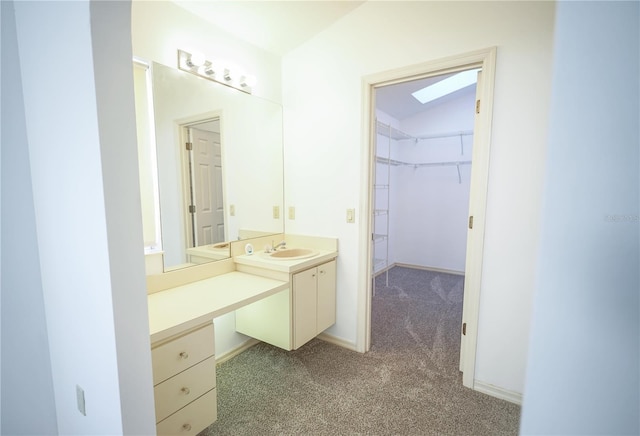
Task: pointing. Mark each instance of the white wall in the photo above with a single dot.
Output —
(323, 141)
(430, 227)
(26, 369)
(111, 45)
(582, 373)
(81, 140)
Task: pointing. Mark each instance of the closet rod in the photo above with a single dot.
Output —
(438, 164)
(446, 135)
(424, 164)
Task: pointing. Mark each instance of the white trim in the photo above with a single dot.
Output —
(430, 268)
(497, 392)
(486, 59)
(235, 351)
(337, 341)
(477, 209)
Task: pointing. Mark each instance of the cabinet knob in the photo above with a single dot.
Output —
(322, 271)
(185, 390)
(313, 275)
(184, 355)
(186, 427)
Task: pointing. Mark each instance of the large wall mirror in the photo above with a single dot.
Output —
(227, 183)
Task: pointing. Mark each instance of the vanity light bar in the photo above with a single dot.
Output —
(199, 66)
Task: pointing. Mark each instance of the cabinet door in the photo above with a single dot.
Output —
(326, 296)
(304, 307)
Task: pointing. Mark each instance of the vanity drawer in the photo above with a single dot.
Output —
(178, 354)
(178, 391)
(193, 418)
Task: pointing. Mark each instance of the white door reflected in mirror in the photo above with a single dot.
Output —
(205, 204)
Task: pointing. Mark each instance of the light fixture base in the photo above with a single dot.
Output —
(208, 71)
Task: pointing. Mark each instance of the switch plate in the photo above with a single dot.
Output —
(80, 400)
(232, 210)
(351, 216)
(292, 213)
(276, 212)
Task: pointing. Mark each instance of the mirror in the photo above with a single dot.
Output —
(240, 186)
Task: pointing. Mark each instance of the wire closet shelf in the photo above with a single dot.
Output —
(398, 135)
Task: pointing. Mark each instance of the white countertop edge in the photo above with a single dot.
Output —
(189, 322)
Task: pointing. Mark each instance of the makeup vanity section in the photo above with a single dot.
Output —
(285, 302)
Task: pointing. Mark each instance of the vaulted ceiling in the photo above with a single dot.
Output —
(281, 26)
(276, 26)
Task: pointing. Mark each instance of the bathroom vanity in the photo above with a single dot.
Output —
(283, 301)
(292, 317)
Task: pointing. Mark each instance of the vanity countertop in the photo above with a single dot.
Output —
(262, 260)
(177, 309)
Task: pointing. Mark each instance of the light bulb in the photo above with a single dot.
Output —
(196, 60)
(208, 70)
(248, 80)
(230, 75)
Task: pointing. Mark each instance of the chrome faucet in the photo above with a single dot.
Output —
(275, 247)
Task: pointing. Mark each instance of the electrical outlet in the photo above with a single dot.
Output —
(351, 216)
(276, 212)
(80, 400)
(292, 213)
(232, 210)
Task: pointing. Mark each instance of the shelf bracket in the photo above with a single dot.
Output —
(461, 146)
(459, 176)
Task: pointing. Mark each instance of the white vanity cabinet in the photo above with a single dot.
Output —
(181, 317)
(293, 317)
(314, 302)
(184, 378)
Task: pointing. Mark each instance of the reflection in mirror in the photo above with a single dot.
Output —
(204, 207)
(229, 185)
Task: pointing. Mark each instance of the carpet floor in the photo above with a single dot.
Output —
(408, 384)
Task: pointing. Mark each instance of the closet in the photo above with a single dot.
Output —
(422, 178)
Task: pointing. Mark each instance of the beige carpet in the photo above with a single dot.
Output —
(408, 384)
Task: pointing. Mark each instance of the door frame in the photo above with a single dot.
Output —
(486, 60)
(181, 127)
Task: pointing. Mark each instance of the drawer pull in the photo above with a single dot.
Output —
(184, 355)
(185, 390)
(186, 427)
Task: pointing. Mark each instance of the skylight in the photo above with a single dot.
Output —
(446, 86)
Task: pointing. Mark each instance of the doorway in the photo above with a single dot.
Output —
(203, 183)
(483, 60)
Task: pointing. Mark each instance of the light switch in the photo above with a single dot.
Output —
(232, 210)
(292, 213)
(276, 212)
(351, 215)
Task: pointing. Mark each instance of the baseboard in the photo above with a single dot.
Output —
(431, 268)
(235, 351)
(251, 342)
(337, 341)
(495, 391)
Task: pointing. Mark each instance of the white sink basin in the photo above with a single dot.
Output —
(292, 253)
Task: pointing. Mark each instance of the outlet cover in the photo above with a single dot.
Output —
(292, 213)
(80, 400)
(276, 212)
(232, 210)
